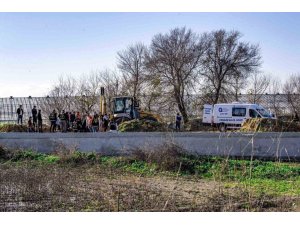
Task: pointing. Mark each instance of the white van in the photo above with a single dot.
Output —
(232, 115)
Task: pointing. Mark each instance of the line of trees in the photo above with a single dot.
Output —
(177, 66)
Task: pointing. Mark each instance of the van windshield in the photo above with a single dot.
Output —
(263, 112)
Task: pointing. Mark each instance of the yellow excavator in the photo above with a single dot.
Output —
(125, 108)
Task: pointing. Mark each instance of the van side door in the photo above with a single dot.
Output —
(239, 114)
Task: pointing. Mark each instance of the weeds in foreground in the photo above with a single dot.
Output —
(70, 180)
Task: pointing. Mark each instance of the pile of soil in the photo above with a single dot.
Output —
(141, 126)
(196, 125)
(269, 125)
(19, 128)
(13, 128)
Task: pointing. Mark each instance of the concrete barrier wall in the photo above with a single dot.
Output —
(259, 145)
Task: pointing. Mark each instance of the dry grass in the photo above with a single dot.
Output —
(28, 186)
(73, 181)
(269, 125)
(166, 157)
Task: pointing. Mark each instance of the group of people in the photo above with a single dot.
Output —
(71, 121)
(77, 122)
(35, 122)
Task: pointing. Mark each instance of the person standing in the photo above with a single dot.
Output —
(20, 113)
(63, 121)
(178, 122)
(72, 120)
(34, 118)
(95, 122)
(30, 125)
(67, 116)
(101, 125)
(58, 124)
(105, 122)
(78, 122)
(89, 123)
(53, 118)
(72, 117)
(40, 122)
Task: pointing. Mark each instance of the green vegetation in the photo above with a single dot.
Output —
(168, 179)
(271, 177)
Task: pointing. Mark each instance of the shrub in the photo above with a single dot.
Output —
(5, 154)
(167, 156)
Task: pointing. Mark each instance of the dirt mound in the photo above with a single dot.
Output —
(141, 126)
(12, 128)
(196, 125)
(6, 127)
(269, 125)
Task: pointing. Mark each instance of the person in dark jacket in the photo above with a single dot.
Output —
(53, 118)
(73, 117)
(40, 122)
(178, 122)
(63, 121)
(20, 113)
(105, 122)
(30, 125)
(95, 123)
(34, 117)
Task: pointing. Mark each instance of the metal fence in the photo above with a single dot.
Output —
(280, 104)
(9, 106)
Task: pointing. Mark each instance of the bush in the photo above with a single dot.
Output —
(167, 156)
(5, 154)
(76, 157)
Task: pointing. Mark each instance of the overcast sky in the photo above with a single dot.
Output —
(37, 48)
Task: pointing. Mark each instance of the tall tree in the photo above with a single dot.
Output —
(131, 64)
(228, 59)
(173, 59)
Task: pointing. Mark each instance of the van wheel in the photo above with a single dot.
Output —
(222, 127)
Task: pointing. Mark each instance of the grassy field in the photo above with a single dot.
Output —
(146, 181)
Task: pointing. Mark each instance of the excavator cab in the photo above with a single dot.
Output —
(124, 108)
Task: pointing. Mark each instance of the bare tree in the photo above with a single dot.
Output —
(258, 84)
(112, 84)
(131, 64)
(60, 96)
(236, 85)
(277, 99)
(82, 94)
(88, 92)
(227, 60)
(173, 59)
(292, 89)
